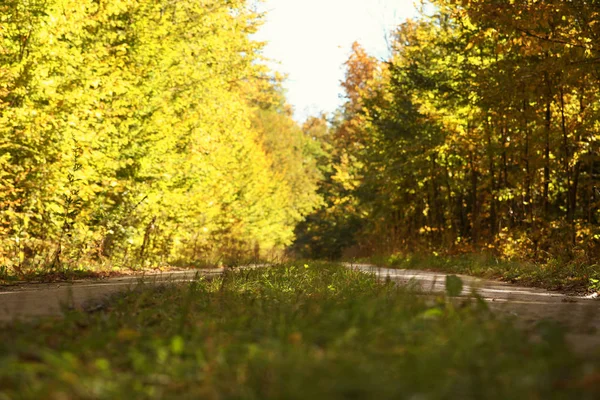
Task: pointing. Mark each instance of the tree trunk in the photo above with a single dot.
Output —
(547, 159)
(474, 203)
(566, 158)
(527, 201)
(492, 183)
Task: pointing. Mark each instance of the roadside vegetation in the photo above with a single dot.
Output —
(316, 331)
(479, 133)
(137, 134)
(567, 277)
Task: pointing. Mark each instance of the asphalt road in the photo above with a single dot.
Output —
(33, 300)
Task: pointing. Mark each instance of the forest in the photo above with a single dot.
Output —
(170, 230)
(146, 133)
(480, 133)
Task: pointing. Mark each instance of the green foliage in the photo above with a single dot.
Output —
(454, 285)
(293, 331)
(594, 284)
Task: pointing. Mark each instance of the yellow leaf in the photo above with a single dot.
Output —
(127, 334)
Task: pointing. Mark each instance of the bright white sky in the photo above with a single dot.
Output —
(312, 39)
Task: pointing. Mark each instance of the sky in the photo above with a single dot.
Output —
(311, 40)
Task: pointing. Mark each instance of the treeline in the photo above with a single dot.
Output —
(482, 131)
(137, 132)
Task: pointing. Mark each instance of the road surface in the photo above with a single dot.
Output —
(32, 300)
(581, 316)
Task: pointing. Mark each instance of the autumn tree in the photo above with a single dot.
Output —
(129, 136)
(479, 132)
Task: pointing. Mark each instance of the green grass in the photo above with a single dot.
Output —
(554, 274)
(289, 332)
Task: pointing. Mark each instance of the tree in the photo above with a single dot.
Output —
(479, 132)
(128, 136)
